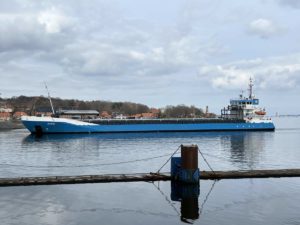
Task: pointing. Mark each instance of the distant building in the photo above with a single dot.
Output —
(4, 116)
(135, 116)
(4, 109)
(5, 113)
(210, 115)
(79, 114)
(105, 115)
(149, 115)
(44, 111)
(19, 114)
(155, 112)
(163, 110)
(145, 116)
(120, 116)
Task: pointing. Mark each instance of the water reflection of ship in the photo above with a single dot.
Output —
(126, 136)
(58, 137)
(122, 136)
(246, 147)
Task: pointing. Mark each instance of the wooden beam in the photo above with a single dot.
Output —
(148, 177)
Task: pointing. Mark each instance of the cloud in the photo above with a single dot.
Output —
(53, 20)
(291, 3)
(145, 55)
(99, 49)
(37, 31)
(93, 47)
(279, 73)
(263, 28)
(98, 41)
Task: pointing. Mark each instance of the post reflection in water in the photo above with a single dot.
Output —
(188, 195)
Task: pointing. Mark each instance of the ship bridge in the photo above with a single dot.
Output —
(243, 107)
(243, 102)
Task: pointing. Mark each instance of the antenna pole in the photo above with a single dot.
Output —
(251, 88)
(50, 99)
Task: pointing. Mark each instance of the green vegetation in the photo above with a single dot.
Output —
(33, 104)
(182, 111)
(30, 105)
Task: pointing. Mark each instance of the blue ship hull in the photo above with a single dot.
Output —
(57, 125)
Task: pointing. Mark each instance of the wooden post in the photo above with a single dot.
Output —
(189, 172)
(189, 157)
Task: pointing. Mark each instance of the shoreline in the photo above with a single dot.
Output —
(11, 125)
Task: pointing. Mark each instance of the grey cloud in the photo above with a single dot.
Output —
(264, 28)
(290, 3)
(28, 32)
(92, 49)
(281, 73)
(98, 42)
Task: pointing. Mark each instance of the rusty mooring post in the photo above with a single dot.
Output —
(185, 168)
(189, 157)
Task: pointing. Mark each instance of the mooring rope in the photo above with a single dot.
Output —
(89, 165)
(206, 197)
(166, 198)
(158, 171)
(109, 164)
(206, 161)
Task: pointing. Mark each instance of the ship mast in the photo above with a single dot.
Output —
(52, 108)
(251, 88)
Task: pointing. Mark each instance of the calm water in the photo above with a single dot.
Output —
(249, 201)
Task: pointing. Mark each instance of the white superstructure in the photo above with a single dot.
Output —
(246, 108)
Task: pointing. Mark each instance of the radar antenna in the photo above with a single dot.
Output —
(49, 99)
(242, 94)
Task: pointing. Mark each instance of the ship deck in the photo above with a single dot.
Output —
(161, 121)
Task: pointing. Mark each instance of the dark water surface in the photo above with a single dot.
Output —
(248, 201)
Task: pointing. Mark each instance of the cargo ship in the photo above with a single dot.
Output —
(242, 114)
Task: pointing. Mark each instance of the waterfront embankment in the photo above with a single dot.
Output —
(11, 124)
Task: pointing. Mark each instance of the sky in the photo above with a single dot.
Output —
(193, 52)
